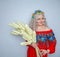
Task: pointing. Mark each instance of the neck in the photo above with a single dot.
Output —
(41, 27)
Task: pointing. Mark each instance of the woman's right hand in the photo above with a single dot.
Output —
(34, 45)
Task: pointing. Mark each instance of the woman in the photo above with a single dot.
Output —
(45, 38)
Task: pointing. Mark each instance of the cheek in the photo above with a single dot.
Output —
(37, 21)
(40, 21)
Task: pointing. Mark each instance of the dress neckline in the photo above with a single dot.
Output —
(45, 32)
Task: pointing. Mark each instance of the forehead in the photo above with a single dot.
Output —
(39, 16)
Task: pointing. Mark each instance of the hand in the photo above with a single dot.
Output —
(43, 52)
(34, 45)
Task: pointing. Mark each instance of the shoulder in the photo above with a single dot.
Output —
(48, 29)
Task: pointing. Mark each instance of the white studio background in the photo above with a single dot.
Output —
(21, 10)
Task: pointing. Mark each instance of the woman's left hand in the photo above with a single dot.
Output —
(44, 52)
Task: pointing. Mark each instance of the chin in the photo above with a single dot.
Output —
(40, 24)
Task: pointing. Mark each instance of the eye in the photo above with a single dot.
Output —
(38, 19)
(43, 18)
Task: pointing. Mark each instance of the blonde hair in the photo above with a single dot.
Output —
(32, 23)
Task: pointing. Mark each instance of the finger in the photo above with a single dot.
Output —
(44, 53)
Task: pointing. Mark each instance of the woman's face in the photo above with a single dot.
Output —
(40, 20)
